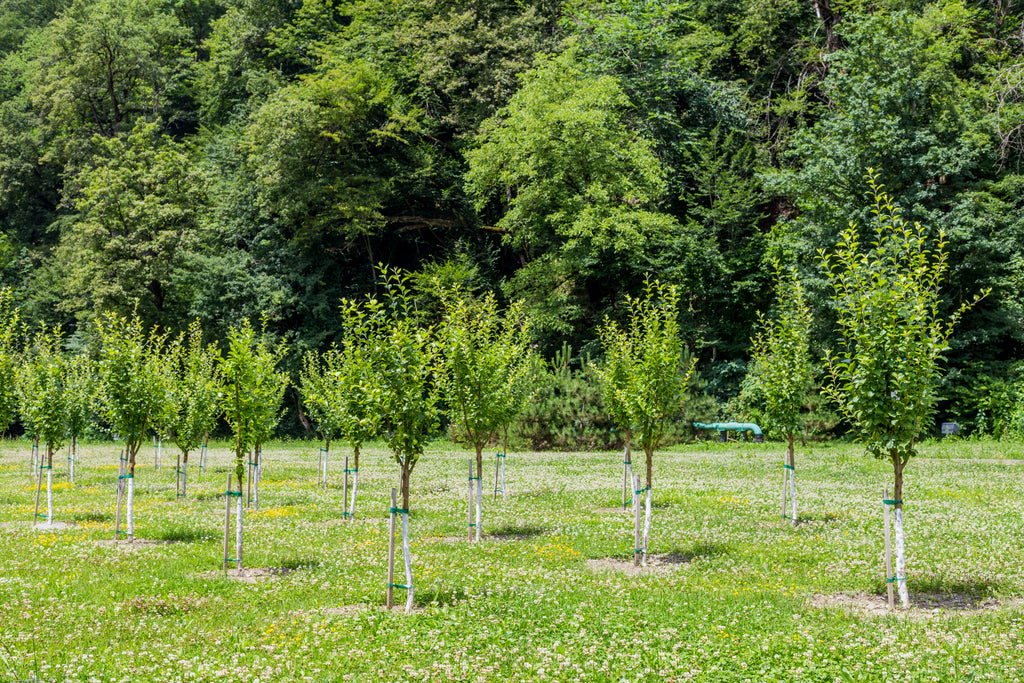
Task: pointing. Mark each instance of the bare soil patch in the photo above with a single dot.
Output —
(248, 575)
(53, 526)
(137, 544)
(655, 564)
(347, 610)
(923, 605)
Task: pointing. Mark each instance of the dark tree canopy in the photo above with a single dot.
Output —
(227, 159)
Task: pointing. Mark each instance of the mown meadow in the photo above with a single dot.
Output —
(733, 592)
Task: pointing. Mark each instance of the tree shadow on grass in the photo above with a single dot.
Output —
(514, 532)
(184, 535)
(698, 551)
(299, 563)
(92, 516)
(941, 589)
(437, 598)
(819, 518)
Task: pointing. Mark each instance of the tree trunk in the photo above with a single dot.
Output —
(901, 559)
(823, 10)
(792, 478)
(238, 529)
(407, 560)
(257, 475)
(479, 487)
(355, 484)
(131, 449)
(49, 484)
(650, 466)
(389, 599)
(406, 474)
(323, 465)
(637, 529)
(627, 471)
(184, 473)
(39, 491)
(647, 506)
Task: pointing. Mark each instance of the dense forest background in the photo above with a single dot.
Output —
(219, 159)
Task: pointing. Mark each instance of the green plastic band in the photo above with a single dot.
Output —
(46, 467)
(398, 511)
(786, 517)
(500, 455)
(639, 491)
(230, 559)
(254, 464)
(472, 524)
(398, 585)
(349, 471)
(892, 502)
(324, 450)
(472, 478)
(637, 551)
(237, 494)
(40, 515)
(896, 578)
(126, 476)
(789, 467)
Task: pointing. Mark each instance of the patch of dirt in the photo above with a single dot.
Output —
(137, 544)
(15, 525)
(504, 538)
(655, 564)
(347, 610)
(53, 526)
(923, 605)
(357, 520)
(248, 575)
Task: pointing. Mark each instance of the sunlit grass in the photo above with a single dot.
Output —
(541, 597)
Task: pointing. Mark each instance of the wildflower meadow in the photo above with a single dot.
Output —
(732, 591)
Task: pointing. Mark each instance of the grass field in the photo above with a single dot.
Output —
(734, 592)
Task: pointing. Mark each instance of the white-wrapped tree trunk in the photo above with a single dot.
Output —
(49, 496)
(638, 548)
(647, 524)
(469, 504)
(355, 486)
(238, 531)
(407, 559)
(479, 505)
(130, 506)
(901, 559)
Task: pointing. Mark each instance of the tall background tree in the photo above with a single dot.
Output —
(218, 160)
